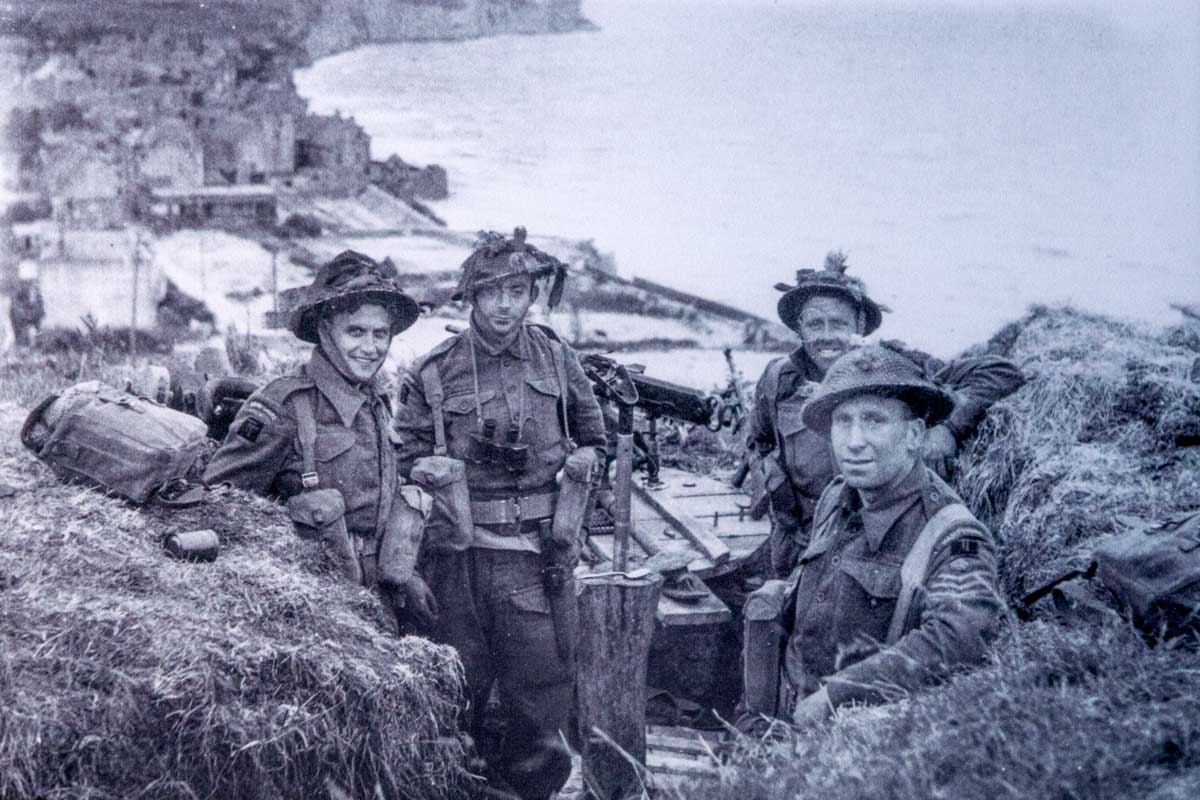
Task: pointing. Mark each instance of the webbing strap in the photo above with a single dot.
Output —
(306, 425)
(560, 367)
(431, 382)
(915, 568)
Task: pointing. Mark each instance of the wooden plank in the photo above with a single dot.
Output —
(674, 514)
(674, 764)
(712, 737)
(676, 744)
(708, 610)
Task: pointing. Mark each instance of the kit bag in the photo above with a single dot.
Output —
(1153, 571)
(116, 441)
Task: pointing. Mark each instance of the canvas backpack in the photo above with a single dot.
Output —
(1152, 569)
(117, 441)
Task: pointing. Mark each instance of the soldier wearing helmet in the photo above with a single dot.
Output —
(831, 311)
(319, 439)
(509, 406)
(898, 583)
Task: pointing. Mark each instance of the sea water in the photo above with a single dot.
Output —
(969, 159)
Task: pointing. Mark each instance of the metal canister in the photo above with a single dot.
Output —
(201, 545)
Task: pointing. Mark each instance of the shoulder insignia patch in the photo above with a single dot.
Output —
(965, 546)
(250, 429)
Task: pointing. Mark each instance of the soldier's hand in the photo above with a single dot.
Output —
(940, 449)
(413, 603)
(812, 710)
(419, 601)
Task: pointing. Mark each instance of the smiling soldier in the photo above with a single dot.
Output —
(507, 407)
(898, 584)
(319, 439)
(831, 311)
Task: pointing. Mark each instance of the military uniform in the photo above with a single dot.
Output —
(494, 607)
(848, 589)
(889, 593)
(804, 457)
(352, 451)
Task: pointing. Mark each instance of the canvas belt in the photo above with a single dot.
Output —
(508, 510)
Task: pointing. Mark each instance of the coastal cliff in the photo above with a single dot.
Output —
(345, 24)
(315, 28)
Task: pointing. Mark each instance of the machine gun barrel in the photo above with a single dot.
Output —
(663, 398)
(654, 396)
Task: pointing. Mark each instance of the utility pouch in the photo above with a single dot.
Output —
(321, 514)
(574, 496)
(763, 641)
(446, 479)
(401, 539)
(763, 475)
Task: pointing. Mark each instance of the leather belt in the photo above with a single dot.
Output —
(513, 509)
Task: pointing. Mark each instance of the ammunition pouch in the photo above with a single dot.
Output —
(784, 504)
(761, 472)
(401, 540)
(445, 478)
(321, 514)
(764, 638)
(574, 496)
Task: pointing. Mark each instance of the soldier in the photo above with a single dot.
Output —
(830, 311)
(898, 583)
(26, 312)
(512, 403)
(320, 439)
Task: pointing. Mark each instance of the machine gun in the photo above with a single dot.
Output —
(628, 387)
(214, 401)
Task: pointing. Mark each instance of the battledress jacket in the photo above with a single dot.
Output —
(849, 582)
(520, 384)
(807, 456)
(353, 451)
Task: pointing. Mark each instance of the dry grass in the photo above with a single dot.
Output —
(1062, 710)
(1086, 712)
(1093, 434)
(126, 674)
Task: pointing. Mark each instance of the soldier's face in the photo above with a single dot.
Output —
(363, 338)
(500, 307)
(827, 328)
(876, 441)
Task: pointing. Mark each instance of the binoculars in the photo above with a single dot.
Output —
(484, 449)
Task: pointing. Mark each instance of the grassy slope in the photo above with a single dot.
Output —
(1063, 709)
(260, 675)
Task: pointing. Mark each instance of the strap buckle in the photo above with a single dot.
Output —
(309, 480)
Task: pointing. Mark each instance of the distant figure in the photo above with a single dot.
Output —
(830, 311)
(857, 623)
(26, 312)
